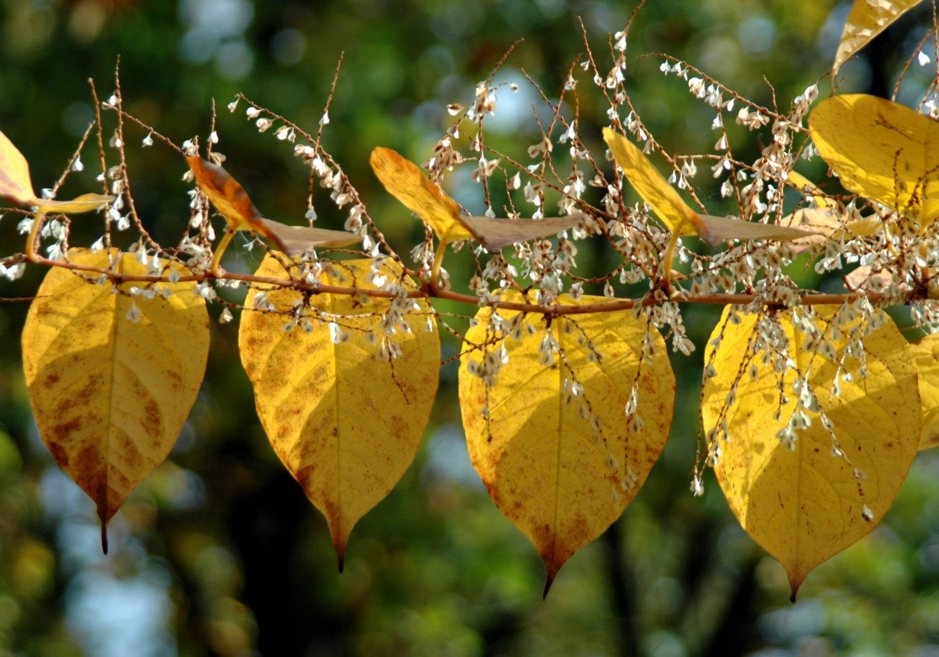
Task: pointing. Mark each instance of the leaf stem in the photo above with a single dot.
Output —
(438, 262)
(217, 270)
(38, 220)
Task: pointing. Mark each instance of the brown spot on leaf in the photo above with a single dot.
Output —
(154, 417)
(61, 432)
(59, 454)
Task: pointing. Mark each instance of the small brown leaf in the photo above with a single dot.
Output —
(297, 239)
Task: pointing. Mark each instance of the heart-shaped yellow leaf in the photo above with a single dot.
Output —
(112, 377)
(406, 182)
(813, 456)
(926, 353)
(344, 418)
(548, 435)
(881, 150)
(867, 19)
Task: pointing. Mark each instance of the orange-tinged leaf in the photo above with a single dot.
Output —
(926, 353)
(231, 199)
(881, 150)
(112, 377)
(674, 212)
(226, 194)
(297, 239)
(551, 442)
(14, 174)
(807, 495)
(345, 420)
(651, 186)
(406, 182)
(867, 19)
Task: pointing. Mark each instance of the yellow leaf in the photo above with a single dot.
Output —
(867, 19)
(807, 495)
(926, 353)
(881, 150)
(112, 377)
(345, 420)
(651, 186)
(77, 205)
(14, 174)
(406, 182)
(552, 443)
(674, 212)
(16, 185)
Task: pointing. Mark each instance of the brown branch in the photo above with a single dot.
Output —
(430, 291)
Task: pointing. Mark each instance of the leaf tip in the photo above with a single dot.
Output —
(340, 542)
(104, 536)
(794, 583)
(551, 571)
(549, 580)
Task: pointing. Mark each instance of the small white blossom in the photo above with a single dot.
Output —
(13, 272)
(133, 313)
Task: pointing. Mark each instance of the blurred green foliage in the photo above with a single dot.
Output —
(219, 553)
